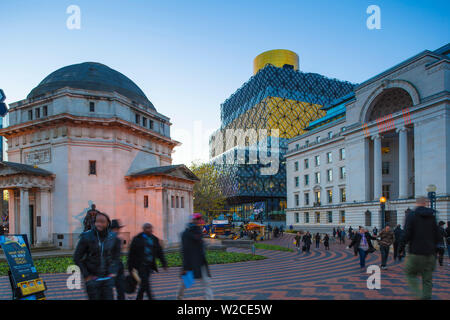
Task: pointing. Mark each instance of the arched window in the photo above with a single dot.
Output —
(389, 101)
(368, 216)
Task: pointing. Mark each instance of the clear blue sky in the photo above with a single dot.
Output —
(189, 56)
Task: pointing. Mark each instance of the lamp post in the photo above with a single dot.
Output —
(431, 189)
(383, 211)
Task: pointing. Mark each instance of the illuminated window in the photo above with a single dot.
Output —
(317, 217)
(330, 196)
(343, 197)
(342, 216)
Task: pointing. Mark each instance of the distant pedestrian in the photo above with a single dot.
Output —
(89, 219)
(375, 231)
(362, 241)
(326, 242)
(144, 250)
(447, 234)
(399, 243)
(421, 233)
(281, 231)
(350, 232)
(194, 257)
(441, 243)
(307, 241)
(386, 239)
(97, 255)
(334, 232)
(119, 280)
(298, 241)
(317, 238)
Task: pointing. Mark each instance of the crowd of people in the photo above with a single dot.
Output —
(98, 255)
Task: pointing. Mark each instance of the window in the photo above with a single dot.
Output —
(145, 201)
(177, 202)
(330, 196)
(342, 173)
(138, 119)
(306, 179)
(151, 124)
(329, 157)
(342, 154)
(385, 167)
(296, 165)
(296, 217)
(317, 198)
(306, 162)
(30, 114)
(342, 216)
(330, 135)
(306, 217)
(317, 217)
(172, 201)
(91, 107)
(44, 111)
(368, 216)
(306, 198)
(317, 176)
(330, 216)
(317, 160)
(317, 139)
(297, 202)
(144, 122)
(330, 175)
(182, 202)
(297, 146)
(296, 181)
(307, 143)
(92, 167)
(342, 192)
(386, 191)
(37, 112)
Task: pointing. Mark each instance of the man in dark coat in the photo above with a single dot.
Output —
(119, 280)
(386, 239)
(144, 250)
(194, 257)
(97, 255)
(307, 240)
(421, 233)
(399, 239)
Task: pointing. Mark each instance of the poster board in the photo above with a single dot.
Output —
(24, 278)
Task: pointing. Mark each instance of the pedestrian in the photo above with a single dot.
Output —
(119, 280)
(298, 241)
(375, 231)
(144, 250)
(441, 243)
(307, 241)
(89, 219)
(326, 241)
(421, 233)
(362, 241)
(343, 236)
(194, 258)
(334, 233)
(350, 232)
(97, 255)
(281, 230)
(399, 247)
(317, 238)
(447, 234)
(386, 239)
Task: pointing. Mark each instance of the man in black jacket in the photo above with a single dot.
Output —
(421, 233)
(144, 250)
(119, 280)
(97, 255)
(399, 247)
(194, 258)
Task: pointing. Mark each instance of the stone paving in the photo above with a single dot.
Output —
(324, 275)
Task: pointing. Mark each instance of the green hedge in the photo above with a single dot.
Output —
(60, 264)
(272, 247)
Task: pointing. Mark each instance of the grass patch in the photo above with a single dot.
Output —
(272, 247)
(60, 264)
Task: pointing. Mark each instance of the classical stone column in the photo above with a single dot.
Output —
(44, 232)
(12, 212)
(24, 226)
(377, 174)
(403, 163)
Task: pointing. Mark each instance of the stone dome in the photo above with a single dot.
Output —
(91, 76)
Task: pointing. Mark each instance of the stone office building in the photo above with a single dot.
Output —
(87, 134)
(390, 137)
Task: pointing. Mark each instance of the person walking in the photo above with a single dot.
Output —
(350, 232)
(89, 219)
(441, 243)
(375, 231)
(317, 238)
(334, 233)
(97, 255)
(386, 239)
(362, 241)
(447, 234)
(119, 280)
(399, 247)
(144, 250)
(421, 233)
(194, 258)
(307, 241)
(298, 241)
(281, 231)
(326, 242)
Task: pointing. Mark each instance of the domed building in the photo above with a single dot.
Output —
(87, 135)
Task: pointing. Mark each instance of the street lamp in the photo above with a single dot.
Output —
(383, 211)
(431, 189)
